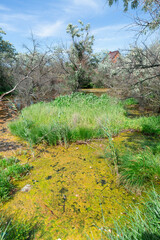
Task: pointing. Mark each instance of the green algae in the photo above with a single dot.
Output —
(68, 188)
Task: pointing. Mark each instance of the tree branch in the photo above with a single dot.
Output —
(23, 79)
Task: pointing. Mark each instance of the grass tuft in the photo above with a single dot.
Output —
(17, 230)
(139, 170)
(78, 116)
(10, 170)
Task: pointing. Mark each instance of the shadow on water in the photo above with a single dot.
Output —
(137, 140)
(135, 111)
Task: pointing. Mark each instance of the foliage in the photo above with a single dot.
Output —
(152, 7)
(10, 170)
(7, 54)
(130, 101)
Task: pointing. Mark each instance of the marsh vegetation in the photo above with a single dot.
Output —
(96, 164)
(131, 149)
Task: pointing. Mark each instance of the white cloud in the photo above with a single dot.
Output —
(88, 3)
(3, 8)
(108, 28)
(18, 16)
(49, 30)
(7, 27)
(83, 8)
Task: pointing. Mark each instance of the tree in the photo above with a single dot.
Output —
(152, 7)
(80, 56)
(35, 74)
(7, 57)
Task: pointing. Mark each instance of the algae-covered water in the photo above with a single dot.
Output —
(70, 187)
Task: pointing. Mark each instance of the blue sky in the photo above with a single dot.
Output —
(48, 19)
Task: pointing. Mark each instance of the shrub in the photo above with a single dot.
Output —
(130, 101)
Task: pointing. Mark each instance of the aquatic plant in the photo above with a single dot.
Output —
(75, 117)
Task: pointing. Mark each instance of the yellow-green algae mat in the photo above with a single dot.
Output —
(70, 187)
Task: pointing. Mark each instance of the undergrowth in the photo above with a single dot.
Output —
(10, 170)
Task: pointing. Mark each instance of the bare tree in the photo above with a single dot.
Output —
(35, 74)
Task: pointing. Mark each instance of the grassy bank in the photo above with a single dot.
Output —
(77, 117)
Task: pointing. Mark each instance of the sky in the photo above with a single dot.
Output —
(47, 21)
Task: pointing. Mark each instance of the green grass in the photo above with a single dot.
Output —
(10, 170)
(142, 224)
(69, 118)
(139, 170)
(135, 160)
(77, 117)
(16, 230)
(130, 101)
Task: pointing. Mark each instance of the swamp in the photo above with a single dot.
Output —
(79, 120)
(85, 181)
